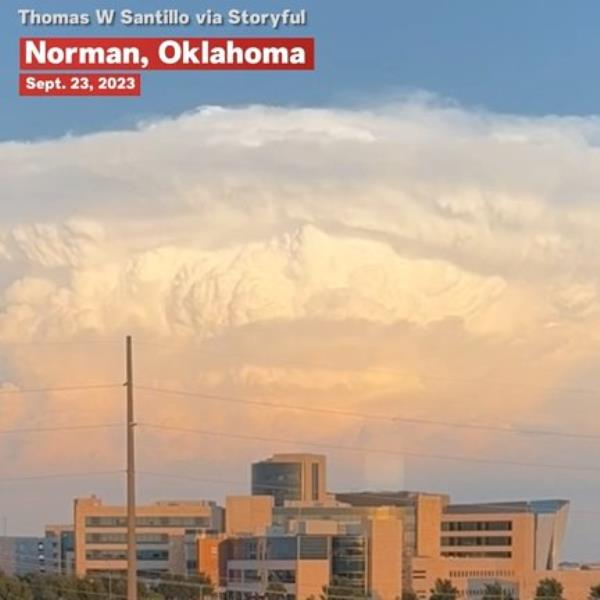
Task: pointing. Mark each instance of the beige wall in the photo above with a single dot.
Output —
(248, 515)
(428, 525)
(470, 574)
(385, 558)
(311, 576)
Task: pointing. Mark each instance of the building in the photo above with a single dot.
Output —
(61, 547)
(366, 555)
(248, 515)
(24, 555)
(515, 544)
(295, 477)
(421, 518)
(166, 536)
(291, 538)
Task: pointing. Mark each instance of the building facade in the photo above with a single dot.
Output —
(24, 555)
(366, 558)
(61, 547)
(290, 477)
(166, 536)
(514, 544)
(291, 539)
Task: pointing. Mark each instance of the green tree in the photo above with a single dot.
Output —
(549, 589)
(595, 592)
(177, 587)
(495, 591)
(11, 588)
(342, 588)
(275, 591)
(443, 590)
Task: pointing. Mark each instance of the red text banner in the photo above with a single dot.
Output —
(102, 54)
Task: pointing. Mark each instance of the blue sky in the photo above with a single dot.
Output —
(533, 57)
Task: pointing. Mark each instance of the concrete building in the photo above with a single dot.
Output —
(366, 555)
(515, 544)
(166, 536)
(24, 555)
(295, 477)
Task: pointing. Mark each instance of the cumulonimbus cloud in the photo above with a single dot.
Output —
(410, 259)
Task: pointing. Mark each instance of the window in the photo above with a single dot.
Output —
(476, 541)
(313, 547)
(477, 526)
(315, 481)
(234, 575)
(477, 554)
(282, 576)
(251, 576)
(282, 548)
(179, 522)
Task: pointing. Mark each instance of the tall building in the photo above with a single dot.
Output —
(291, 477)
(165, 534)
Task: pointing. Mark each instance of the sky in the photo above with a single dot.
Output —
(509, 56)
(411, 231)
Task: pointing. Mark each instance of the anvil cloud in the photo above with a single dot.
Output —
(412, 259)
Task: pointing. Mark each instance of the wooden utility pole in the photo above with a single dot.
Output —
(131, 537)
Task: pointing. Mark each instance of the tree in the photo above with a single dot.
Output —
(495, 591)
(409, 595)
(11, 588)
(549, 589)
(342, 588)
(595, 592)
(275, 591)
(443, 590)
(177, 587)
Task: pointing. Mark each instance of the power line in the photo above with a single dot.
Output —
(381, 495)
(372, 416)
(4, 478)
(364, 449)
(43, 390)
(305, 365)
(59, 428)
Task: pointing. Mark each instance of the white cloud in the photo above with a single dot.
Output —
(405, 259)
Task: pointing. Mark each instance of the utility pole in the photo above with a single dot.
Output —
(131, 537)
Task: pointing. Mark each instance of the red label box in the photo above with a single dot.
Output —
(79, 84)
(137, 54)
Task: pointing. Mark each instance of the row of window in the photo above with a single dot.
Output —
(251, 596)
(498, 540)
(496, 573)
(122, 555)
(121, 538)
(286, 576)
(489, 554)
(310, 547)
(477, 526)
(193, 522)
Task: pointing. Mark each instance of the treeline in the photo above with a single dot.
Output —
(60, 587)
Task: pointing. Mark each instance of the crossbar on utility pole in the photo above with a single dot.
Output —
(131, 537)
